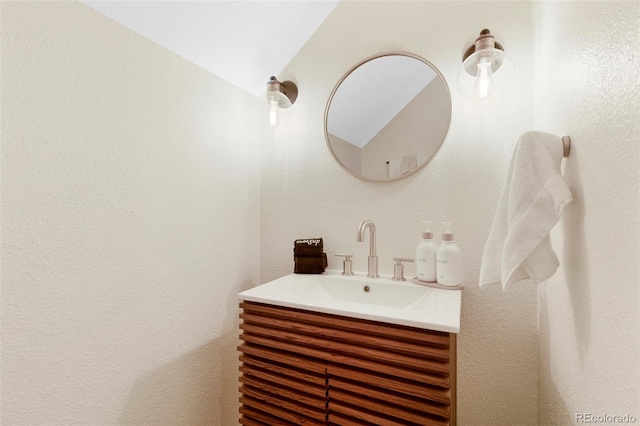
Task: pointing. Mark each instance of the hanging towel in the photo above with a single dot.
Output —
(408, 163)
(532, 200)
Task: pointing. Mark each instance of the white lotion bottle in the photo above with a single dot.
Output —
(448, 259)
(426, 256)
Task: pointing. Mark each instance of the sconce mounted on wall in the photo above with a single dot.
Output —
(478, 77)
(280, 95)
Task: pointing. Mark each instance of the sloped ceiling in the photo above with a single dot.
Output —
(243, 42)
(373, 94)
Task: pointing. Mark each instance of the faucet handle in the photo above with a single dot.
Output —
(398, 268)
(346, 263)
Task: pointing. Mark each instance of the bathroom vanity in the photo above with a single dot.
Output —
(322, 349)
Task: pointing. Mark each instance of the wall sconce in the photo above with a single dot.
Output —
(280, 95)
(478, 77)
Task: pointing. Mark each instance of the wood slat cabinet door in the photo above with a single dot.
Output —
(307, 368)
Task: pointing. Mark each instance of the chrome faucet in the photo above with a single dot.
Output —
(373, 258)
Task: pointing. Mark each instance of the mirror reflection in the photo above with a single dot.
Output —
(387, 117)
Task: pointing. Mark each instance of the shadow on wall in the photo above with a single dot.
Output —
(576, 276)
(551, 402)
(574, 259)
(199, 388)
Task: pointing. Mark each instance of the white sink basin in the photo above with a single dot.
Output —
(386, 300)
(366, 291)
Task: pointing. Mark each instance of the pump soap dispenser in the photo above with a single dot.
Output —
(448, 259)
(426, 256)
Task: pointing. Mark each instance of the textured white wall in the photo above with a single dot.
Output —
(306, 194)
(130, 221)
(130, 184)
(589, 56)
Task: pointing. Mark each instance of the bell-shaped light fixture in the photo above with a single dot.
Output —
(486, 70)
(280, 95)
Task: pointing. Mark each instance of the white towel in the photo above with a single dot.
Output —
(532, 200)
(408, 163)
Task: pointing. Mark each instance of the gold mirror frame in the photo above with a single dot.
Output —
(444, 127)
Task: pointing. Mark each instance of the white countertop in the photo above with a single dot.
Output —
(395, 302)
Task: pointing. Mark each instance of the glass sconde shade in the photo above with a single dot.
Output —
(273, 113)
(485, 75)
(276, 100)
(279, 95)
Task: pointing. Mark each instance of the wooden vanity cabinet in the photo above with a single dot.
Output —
(307, 368)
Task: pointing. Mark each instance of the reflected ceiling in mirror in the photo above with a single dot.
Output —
(387, 117)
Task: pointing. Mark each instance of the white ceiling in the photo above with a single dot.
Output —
(243, 42)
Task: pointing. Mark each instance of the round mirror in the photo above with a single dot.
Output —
(387, 117)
